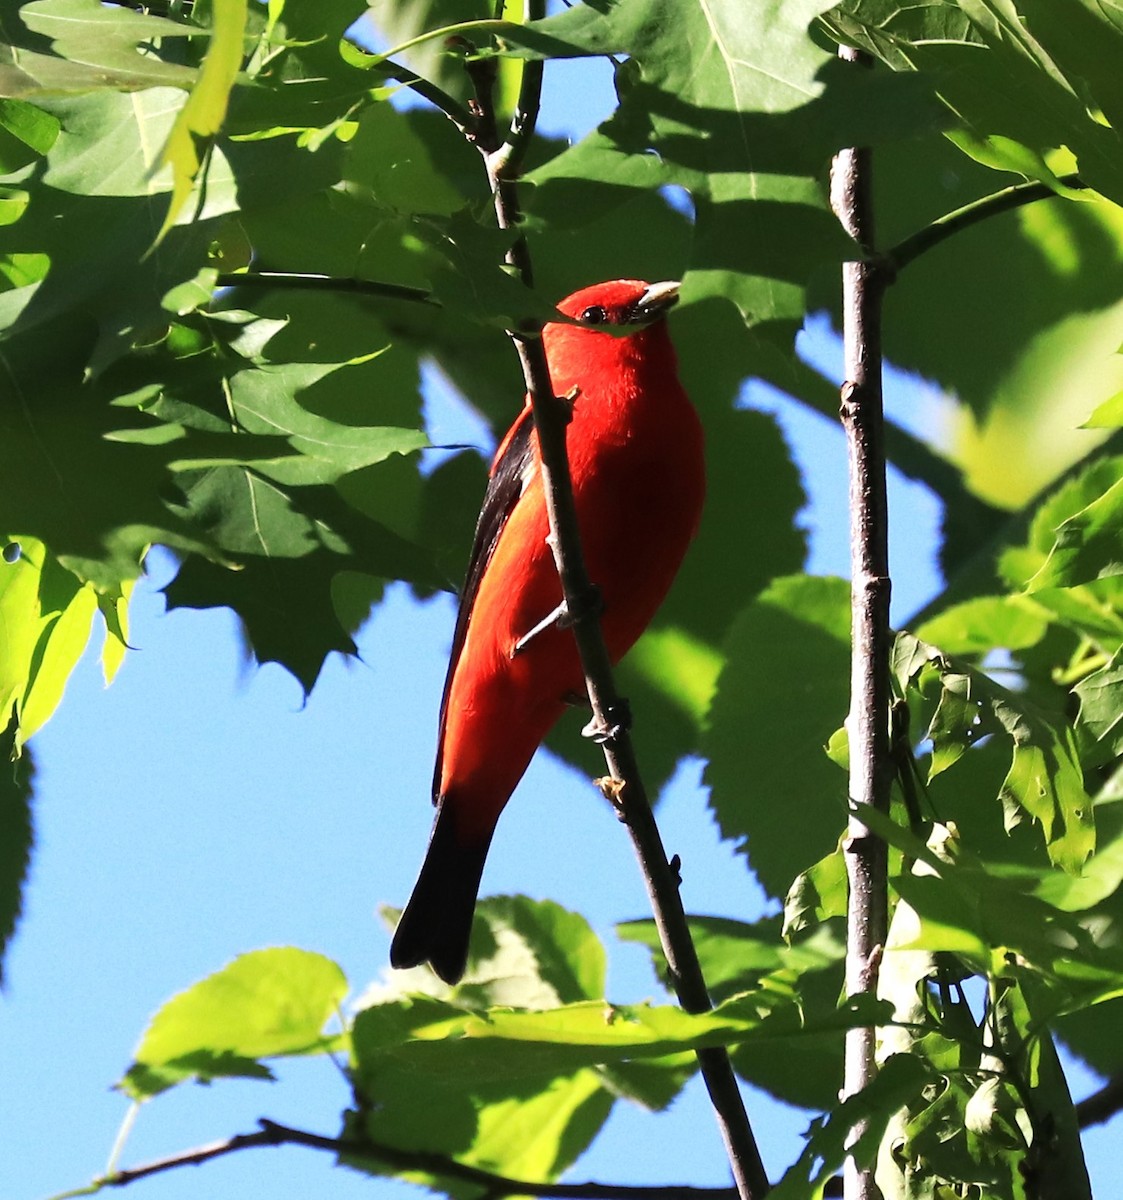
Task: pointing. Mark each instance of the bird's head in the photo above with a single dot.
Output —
(620, 305)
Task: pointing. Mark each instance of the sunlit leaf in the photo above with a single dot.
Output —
(202, 116)
(265, 1004)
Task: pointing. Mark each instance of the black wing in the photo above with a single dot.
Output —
(510, 474)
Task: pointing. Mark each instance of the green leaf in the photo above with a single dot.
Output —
(45, 619)
(732, 122)
(1108, 415)
(783, 692)
(264, 1004)
(680, 667)
(819, 893)
(987, 623)
(289, 555)
(26, 133)
(1044, 780)
(1023, 75)
(95, 47)
(524, 953)
(807, 975)
(1101, 704)
(830, 1139)
(1088, 545)
(1020, 564)
(434, 1038)
(264, 401)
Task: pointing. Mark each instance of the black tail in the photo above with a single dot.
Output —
(437, 921)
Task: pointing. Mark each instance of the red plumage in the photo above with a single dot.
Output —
(635, 457)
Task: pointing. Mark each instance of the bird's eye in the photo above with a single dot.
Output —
(595, 314)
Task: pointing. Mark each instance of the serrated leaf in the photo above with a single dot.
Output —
(264, 1004)
(1088, 546)
(1020, 564)
(525, 953)
(1044, 780)
(830, 1140)
(1101, 704)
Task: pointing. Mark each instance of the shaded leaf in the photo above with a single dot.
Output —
(1044, 780)
(94, 47)
(783, 692)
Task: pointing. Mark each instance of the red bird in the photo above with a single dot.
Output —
(635, 455)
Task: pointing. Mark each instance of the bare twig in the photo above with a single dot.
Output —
(871, 766)
(550, 418)
(272, 1134)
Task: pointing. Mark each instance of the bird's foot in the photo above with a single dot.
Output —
(617, 720)
(561, 617)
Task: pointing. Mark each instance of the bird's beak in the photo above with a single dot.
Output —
(657, 300)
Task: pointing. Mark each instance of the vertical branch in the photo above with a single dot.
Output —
(863, 287)
(625, 786)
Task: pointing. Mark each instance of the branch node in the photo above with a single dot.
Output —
(613, 791)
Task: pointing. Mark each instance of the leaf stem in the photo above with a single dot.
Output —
(427, 90)
(951, 223)
(1102, 1105)
(871, 765)
(626, 785)
(324, 283)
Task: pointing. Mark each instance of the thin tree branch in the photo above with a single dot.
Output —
(626, 787)
(871, 767)
(272, 1134)
(325, 283)
(951, 223)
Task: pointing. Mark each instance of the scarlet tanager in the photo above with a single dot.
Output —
(634, 445)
